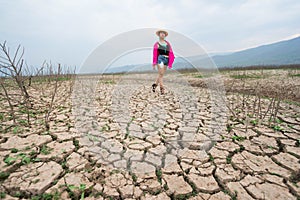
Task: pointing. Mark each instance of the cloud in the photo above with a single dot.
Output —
(67, 31)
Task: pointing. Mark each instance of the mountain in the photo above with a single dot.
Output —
(283, 52)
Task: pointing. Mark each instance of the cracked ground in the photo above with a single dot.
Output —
(120, 140)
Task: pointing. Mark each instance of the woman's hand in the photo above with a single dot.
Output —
(153, 66)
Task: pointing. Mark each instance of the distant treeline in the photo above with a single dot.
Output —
(255, 67)
(252, 67)
(192, 70)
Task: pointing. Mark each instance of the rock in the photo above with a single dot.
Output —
(177, 185)
(34, 178)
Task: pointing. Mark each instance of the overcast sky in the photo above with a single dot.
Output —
(67, 31)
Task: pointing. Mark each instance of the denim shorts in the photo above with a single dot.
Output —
(163, 59)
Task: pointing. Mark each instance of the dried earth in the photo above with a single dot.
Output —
(122, 141)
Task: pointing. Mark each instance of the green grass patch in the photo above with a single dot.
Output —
(4, 175)
(45, 150)
(159, 175)
(238, 138)
(10, 160)
(295, 75)
(2, 195)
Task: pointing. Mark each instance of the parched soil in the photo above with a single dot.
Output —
(116, 139)
(283, 84)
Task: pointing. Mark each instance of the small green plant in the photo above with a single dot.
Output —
(199, 76)
(81, 188)
(228, 160)
(4, 175)
(229, 127)
(254, 121)
(16, 130)
(159, 175)
(76, 144)
(109, 82)
(2, 195)
(278, 120)
(277, 128)
(114, 171)
(45, 150)
(134, 177)
(10, 160)
(211, 158)
(23, 122)
(296, 75)
(14, 150)
(238, 138)
(26, 160)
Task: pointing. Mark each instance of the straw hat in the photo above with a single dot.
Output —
(161, 30)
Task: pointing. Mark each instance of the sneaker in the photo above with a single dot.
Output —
(154, 85)
(162, 90)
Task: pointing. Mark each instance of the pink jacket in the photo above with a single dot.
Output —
(155, 54)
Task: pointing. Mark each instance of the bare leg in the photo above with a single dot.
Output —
(161, 72)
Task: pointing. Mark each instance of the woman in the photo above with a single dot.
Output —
(163, 56)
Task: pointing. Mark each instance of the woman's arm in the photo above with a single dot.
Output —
(154, 61)
(171, 56)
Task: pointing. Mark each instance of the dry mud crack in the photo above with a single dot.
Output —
(122, 141)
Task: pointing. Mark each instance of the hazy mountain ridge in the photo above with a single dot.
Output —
(283, 52)
(279, 53)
